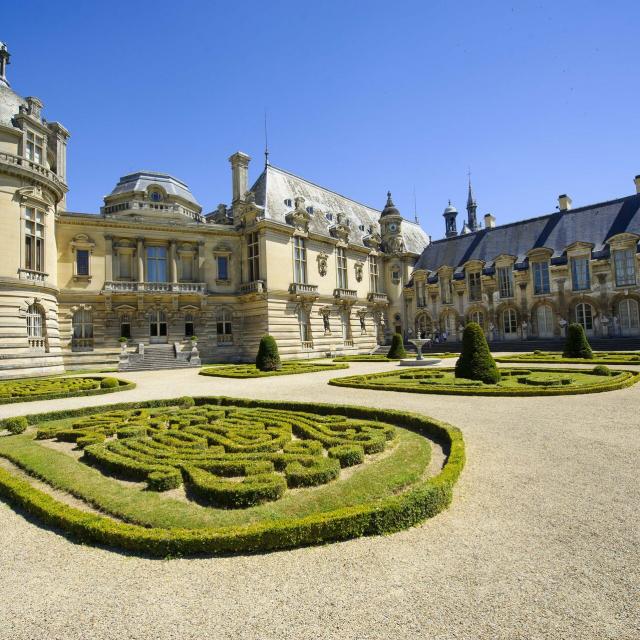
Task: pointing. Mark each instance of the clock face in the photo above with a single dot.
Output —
(393, 226)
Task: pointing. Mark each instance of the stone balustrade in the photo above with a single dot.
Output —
(378, 298)
(33, 169)
(33, 276)
(345, 294)
(124, 286)
(303, 290)
(257, 286)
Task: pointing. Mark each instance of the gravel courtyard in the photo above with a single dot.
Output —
(542, 539)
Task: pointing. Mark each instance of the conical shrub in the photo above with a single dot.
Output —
(475, 361)
(577, 345)
(268, 358)
(396, 350)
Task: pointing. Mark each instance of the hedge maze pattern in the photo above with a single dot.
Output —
(287, 368)
(514, 382)
(230, 457)
(604, 357)
(46, 388)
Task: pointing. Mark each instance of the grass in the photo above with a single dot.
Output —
(404, 465)
(599, 357)
(514, 382)
(288, 368)
(379, 357)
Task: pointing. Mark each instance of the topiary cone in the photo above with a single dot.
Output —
(577, 345)
(396, 351)
(268, 358)
(475, 361)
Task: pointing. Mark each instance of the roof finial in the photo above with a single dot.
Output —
(389, 201)
(266, 140)
(4, 61)
(415, 206)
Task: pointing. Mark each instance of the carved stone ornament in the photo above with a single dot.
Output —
(373, 240)
(342, 228)
(395, 245)
(323, 260)
(359, 266)
(299, 217)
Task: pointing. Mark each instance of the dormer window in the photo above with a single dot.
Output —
(288, 203)
(361, 227)
(156, 196)
(35, 145)
(329, 216)
(310, 210)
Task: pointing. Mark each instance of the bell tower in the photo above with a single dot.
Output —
(390, 227)
(450, 214)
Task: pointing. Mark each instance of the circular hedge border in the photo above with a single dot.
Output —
(622, 379)
(423, 500)
(123, 385)
(288, 369)
(632, 359)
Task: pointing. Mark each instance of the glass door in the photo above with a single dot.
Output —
(158, 327)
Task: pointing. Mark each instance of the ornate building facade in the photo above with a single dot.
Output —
(529, 279)
(319, 271)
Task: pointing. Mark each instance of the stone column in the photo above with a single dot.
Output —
(199, 277)
(140, 254)
(173, 265)
(108, 258)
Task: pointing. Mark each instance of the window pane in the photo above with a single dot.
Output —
(82, 262)
(223, 271)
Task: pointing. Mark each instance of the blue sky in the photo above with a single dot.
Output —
(538, 98)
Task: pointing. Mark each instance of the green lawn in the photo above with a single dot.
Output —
(288, 368)
(599, 357)
(514, 382)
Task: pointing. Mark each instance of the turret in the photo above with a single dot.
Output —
(390, 226)
(450, 214)
(472, 207)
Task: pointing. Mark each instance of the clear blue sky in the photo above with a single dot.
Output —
(538, 98)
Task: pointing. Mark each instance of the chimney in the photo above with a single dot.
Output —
(489, 221)
(239, 175)
(637, 181)
(564, 202)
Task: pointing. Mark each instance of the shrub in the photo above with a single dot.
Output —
(396, 351)
(577, 345)
(185, 402)
(15, 425)
(475, 361)
(348, 455)
(601, 370)
(109, 383)
(268, 358)
(122, 340)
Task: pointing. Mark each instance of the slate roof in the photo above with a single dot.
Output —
(10, 103)
(275, 186)
(593, 224)
(141, 180)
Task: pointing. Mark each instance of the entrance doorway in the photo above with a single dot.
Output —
(158, 327)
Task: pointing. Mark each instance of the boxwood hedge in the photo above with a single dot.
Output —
(423, 500)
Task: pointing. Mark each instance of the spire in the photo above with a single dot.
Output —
(4, 61)
(472, 207)
(266, 141)
(390, 208)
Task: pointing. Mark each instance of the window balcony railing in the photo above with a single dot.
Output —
(345, 294)
(32, 276)
(37, 344)
(348, 343)
(303, 289)
(257, 286)
(307, 344)
(378, 298)
(125, 286)
(225, 338)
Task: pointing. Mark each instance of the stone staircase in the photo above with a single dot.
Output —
(156, 356)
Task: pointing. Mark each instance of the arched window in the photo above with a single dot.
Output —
(188, 325)
(82, 327)
(478, 317)
(544, 318)
(36, 329)
(584, 315)
(224, 327)
(629, 317)
(424, 326)
(510, 323)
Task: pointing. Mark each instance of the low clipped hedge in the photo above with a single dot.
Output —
(14, 425)
(619, 380)
(423, 500)
(380, 357)
(26, 390)
(607, 357)
(286, 369)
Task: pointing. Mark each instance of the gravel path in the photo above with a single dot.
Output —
(541, 541)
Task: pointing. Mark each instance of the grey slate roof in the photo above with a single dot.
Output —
(10, 103)
(593, 224)
(274, 186)
(141, 180)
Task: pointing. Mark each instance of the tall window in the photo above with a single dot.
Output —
(224, 327)
(253, 256)
(82, 262)
(341, 261)
(35, 322)
(188, 325)
(34, 240)
(446, 291)
(509, 322)
(580, 276)
(625, 268)
(299, 260)
(544, 316)
(629, 316)
(82, 327)
(541, 284)
(125, 326)
(478, 317)
(223, 267)
(475, 286)
(505, 282)
(584, 315)
(156, 264)
(373, 274)
(35, 145)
